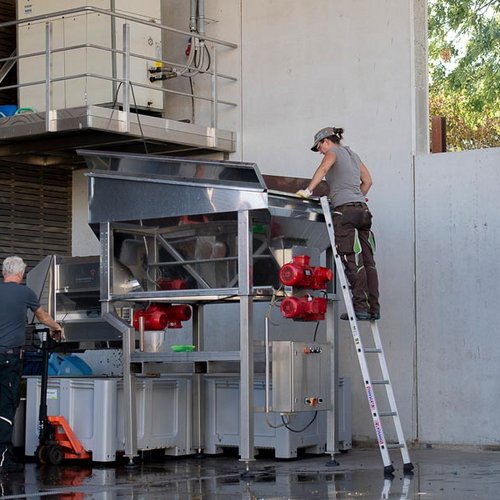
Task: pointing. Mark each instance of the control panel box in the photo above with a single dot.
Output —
(301, 374)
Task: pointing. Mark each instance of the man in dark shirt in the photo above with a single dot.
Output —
(15, 300)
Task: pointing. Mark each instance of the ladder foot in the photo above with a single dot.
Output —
(388, 470)
(408, 468)
(332, 463)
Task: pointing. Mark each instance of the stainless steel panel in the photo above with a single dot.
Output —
(120, 199)
(206, 172)
(78, 274)
(69, 288)
(301, 372)
(87, 330)
(183, 357)
(38, 279)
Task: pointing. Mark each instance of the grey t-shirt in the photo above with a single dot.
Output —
(344, 177)
(15, 299)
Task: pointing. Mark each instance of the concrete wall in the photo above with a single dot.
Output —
(457, 283)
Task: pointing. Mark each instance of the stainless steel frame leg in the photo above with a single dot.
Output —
(197, 384)
(129, 398)
(245, 268)
(332, 338)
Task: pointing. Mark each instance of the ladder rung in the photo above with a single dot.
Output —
(394, 446)
(387, 413)
(380, 382)
(370, 350)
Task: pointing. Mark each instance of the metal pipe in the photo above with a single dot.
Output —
(113, 50)
(141, 333)
(113, 79)
(110, 79)
(129, 396)
(245, 273)
(198, 406)
(192, 16)
(129, 386)
(267, 378)
(332, 337)
(214, 90)
(53, 279)
(201, 17)
(125, 17)
(177, 92)
(105, 258)
(114, 71)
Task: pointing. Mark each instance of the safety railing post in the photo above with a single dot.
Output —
(48, 75)
(215, 96)
(126, 76)
(214, 99)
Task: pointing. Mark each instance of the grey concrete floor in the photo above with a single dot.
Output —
(439, 473)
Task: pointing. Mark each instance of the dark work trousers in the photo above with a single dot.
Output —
(355, 243)
(10, 384)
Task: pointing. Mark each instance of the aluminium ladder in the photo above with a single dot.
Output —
(369, 383)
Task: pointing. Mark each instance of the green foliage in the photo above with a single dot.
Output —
(464, 65)
(465, 129)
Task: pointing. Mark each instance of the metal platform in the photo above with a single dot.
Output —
(34, 138)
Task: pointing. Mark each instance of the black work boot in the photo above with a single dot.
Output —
(360, 316)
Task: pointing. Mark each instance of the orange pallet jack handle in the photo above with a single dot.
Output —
(67, 440)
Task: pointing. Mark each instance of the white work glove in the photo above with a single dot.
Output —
(304, 193)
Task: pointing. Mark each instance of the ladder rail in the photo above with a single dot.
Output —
(390, 393)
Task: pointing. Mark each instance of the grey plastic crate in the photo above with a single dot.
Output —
(222, 397)
(93, 409)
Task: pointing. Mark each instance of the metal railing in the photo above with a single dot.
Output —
(126, 82)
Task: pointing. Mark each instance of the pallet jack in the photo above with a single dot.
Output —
(56, 439)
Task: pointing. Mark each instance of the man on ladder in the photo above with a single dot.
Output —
(349, 181)
(352, 245)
